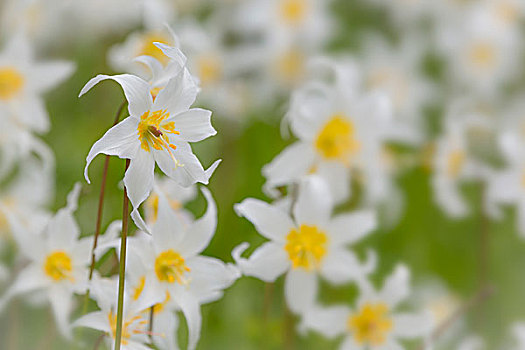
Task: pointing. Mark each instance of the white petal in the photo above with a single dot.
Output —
(338, 178)
(341, 266)
(329, 321)
(314, 202)
(269, 221)
(191, 170)
(390, 344)
(448, 196)
(267, 262)
(178, 95)
(139, 177)
(202, 230)
(62, 305)
(300, 289)
(48, 75)
(172, 52)
(292, 163)
(34, 115)
(136, 90)
(62, 231)
(194, 125)
(168, 230)
(191, 310)
(166, 323)
(30, 279)
(411, 325)
(121, 140)
(350, 344)
(96, 320)
(397, 286)
(520, 208)
(153, 64)
(350, 228)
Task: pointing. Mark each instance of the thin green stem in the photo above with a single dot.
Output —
(122, 269)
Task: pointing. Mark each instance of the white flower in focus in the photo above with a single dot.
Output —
(58, 262)
(23, 80)
(311, 244)
(375, 323)
(175, 274)
(158, 130)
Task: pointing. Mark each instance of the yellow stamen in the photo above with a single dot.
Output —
(148, 48)
(58, 266)
(482, 55)
(293, 11)
(371, 324)
(11, 82)
(137, 291)
(456, 160)
(306, 247)
(170, 267)
(210, 69)
(337, 141)
(126, 334)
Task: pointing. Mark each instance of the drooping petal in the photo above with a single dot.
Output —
(191, 310)
(269, 221)
(314, 202)
(136, 90)
(350, 228)
(194, 125)
(267, 262)
(300, 289)
(139, 177)
(121, 140)
(200, 233)
(178, 95)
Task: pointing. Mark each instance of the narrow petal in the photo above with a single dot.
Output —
(62, 305)
(314, 202)
(191, 310)
(48, 75)
(96, 320)
(412, 325)
(300, 289)
(121, 140)
(342, 266)
(30, 279)
(168, 230)
(266, 263)
(350, 228)
(269, 221)
(139, 178)
(178, 95)
(338, 178)
(329, 321)
(136, 90)
(194, 125)
(190, 170)
(397, 286)
(202, 230)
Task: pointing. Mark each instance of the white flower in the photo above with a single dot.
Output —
(173, 268)
(309, 245)
(58, 261)
(23, 80)
(374, 324)
(341, 132)
(157, 131)
(518, 330)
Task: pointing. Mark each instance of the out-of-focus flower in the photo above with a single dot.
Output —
(173, 268)
(309, 245)
(375, 323)
(341, 134)
(471, 343)
(518, 330)
(58, 261)
(157, 131)
(23, 80)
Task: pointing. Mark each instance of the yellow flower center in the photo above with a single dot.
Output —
(170, 267)
(148, 48)
(482, 55)
(290, 66)
(456, 160)
(210, 69)
(153, 131)
(58, 266)
(371, 325)
(306, 247)
(11, 82)
(337, 141)
(293, 11)
(126, 333)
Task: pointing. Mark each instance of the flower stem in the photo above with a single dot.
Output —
(122, 269)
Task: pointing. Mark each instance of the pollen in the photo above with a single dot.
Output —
(482, 55)
(293, 11)
(11, 82)
(137, 291)
(58, 266)
(153, 131)
(337, 141)
(306, 247)
(170, 267)
(210, 69)
(370, 326)
(126, 333)
(456, 160)
(148, 48)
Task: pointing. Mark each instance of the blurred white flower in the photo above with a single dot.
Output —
(518, 330)
(374, 324)
(23, 80)
(157, 131)
(312, 243)
(58, 261)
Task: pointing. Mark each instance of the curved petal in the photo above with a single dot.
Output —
(136, 90)
(121, 140)
(266, 263)
(188, 172)
(168, 230)
(96, 320)
(202, 230)
(350, 228)
(139, 178)
(178, 95)
(314, 202)
(300, 289)
(397, 286)
(191, 310)
(194, 125)
(270, 222)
